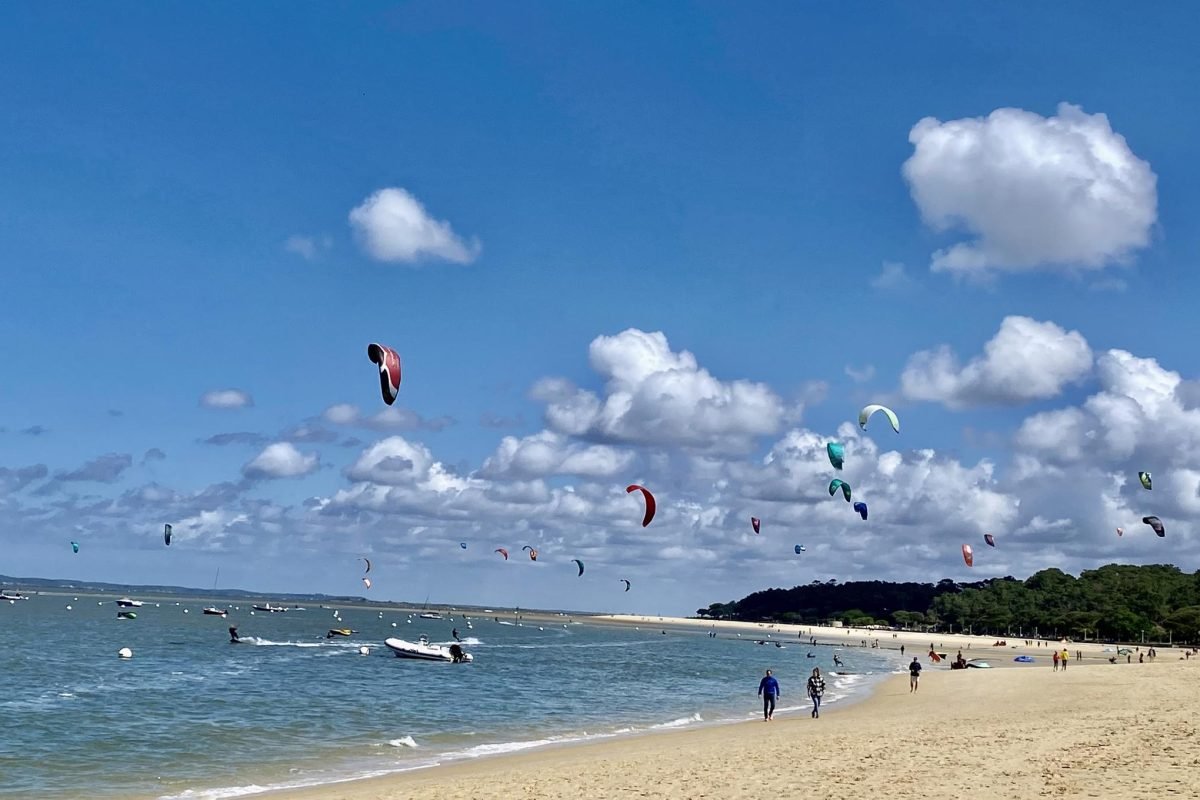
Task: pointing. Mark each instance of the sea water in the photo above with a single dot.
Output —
(192, 716)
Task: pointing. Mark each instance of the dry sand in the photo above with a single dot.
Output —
(1097, 730)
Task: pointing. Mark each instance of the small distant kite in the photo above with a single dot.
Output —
(968, 555)
(755, 523)
(1120, 531)
(580, 563)
(627, 583)
(532, 552)
(799, 549)
(836, 484)
(463, 545)
(368, 562)
(861, 508)
(167, 534)
(868, 411)
(836, 453)
(74, 547)
(1156, 524)
(1144, 477)
(389, 370)
(367, 582)
(502, 552)
(991, 540)
(650, 504)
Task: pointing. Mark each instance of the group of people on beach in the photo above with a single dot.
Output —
(768, 690)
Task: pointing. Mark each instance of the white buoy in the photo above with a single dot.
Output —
(364, 651)
(393, 624)
(125, 652)
(186, 611)
(68, 606)
(252, 613)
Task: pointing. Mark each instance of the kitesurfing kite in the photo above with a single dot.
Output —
(532, 552)
(861, 508)
(1156, 524)
(968, 555)
(389, 370)
(836, 484)
(650, 504)
(167, 534)
(867, 411)
(368, 562)
(463, 545)
(799, 549)
(755, 523)
(74, 547)
(1120, 531)
(627, 584)
(836, 453)
(367, 582)
(502, 552)
(991, 540)
(1144, 477)
(580, 563)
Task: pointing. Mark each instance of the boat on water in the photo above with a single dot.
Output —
(7, 595)
(125, 602)
(216, 612)
(272, 609)
(422, 650)
(430, 615)
(339, 632)
(126, 615)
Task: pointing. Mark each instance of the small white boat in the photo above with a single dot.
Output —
(272, 609)
(7, 595)
(430, 615)
(216, 612)
(125, 602)
(422, 650)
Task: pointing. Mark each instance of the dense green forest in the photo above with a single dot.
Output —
(1116, 602)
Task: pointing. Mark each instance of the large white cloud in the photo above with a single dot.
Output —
(392, 225)
(1026, 360)
(281, 460)
(548, 453)
(653, 395)
(1060, 192)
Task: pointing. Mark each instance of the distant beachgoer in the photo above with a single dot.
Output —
(1054, 658)
(233, 635)
(837, 661)
(901, 649)
(768, 689)
(1066, 656)
(1140, 658)
(454, 633)
(816, 688)
(914, 674)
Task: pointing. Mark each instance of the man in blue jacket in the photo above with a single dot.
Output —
(768, 688)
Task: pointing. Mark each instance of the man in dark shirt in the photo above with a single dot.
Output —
(914, 674)
(768, 689)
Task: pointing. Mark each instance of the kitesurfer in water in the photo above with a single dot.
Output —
(454, 633)
(768, 689)
(233, 635)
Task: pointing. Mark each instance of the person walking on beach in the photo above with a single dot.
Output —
(816, 688)
(768, 689)
(914, 674)
(1055, 660)
(1065, 657)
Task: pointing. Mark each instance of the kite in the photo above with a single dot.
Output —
(650, 504)
(74, 547)
(861, 508)
(167, 534)
(532, 552)
(389, 370)
(968, 555)
(1144, 477)
(836, 453)
(580, 563)
(502, 552)
(755, 523)
(1156, 524)
(799, 549)
(367, 582)
(991, 540)
(866, 413)
(627, 584)
(836, 484)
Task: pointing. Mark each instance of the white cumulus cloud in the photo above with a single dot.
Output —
(1059, 192)
(281, 460)
(392, 225)
(548, 453)
(654, 395)
(226, 398)
(1026, 360)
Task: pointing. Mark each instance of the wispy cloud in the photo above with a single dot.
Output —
(226, 399)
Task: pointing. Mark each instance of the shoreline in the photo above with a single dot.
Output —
(1022, 733)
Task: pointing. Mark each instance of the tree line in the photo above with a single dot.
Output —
(1117, 602)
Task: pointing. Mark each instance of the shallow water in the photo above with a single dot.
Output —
(192, 716)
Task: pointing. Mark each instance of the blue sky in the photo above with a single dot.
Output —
(176, 192)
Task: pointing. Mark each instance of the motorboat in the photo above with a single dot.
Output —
(10, 596)
(430, 615)
(271, 608)
(125, 602)
(422, 650)
(216, 612)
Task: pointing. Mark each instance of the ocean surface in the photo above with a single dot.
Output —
(192, 716)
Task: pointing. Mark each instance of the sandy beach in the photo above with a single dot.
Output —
(1097, 730)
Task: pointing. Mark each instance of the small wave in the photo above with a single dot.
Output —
(403, 741)
(679, 723)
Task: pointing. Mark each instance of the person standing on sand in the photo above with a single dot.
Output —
(768, 689)
(1054, 658)
(816, 688)
(914, 674)
(1065, 657)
